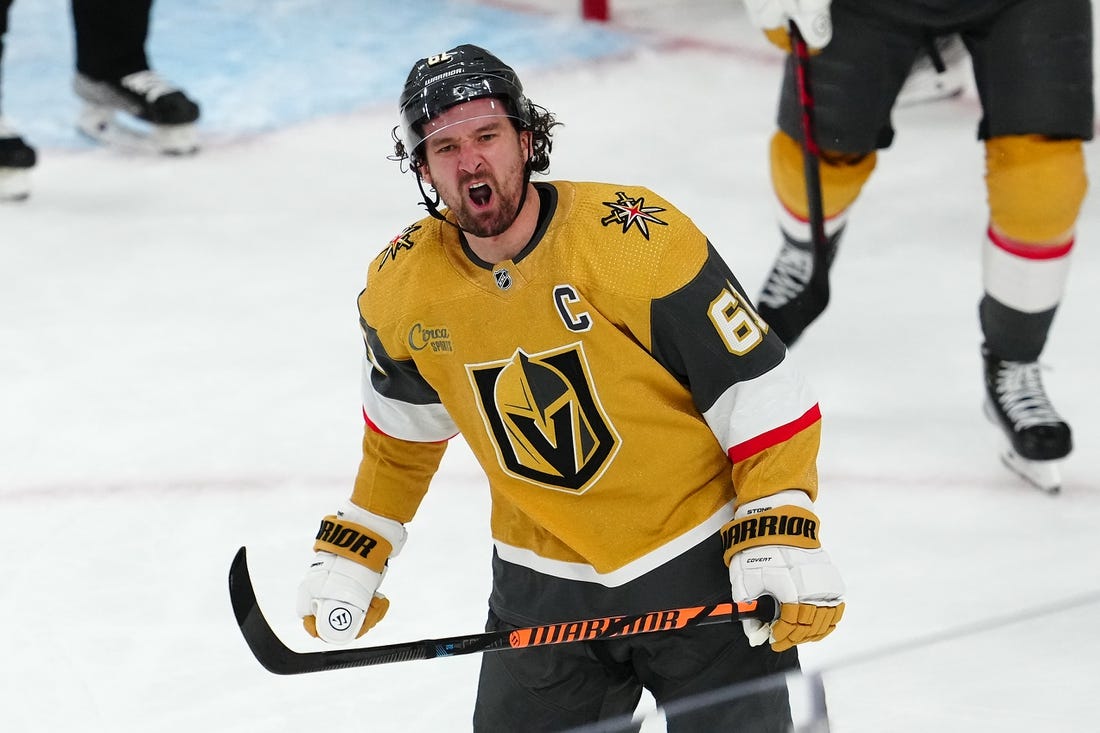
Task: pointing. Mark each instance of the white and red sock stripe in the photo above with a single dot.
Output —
(798, 228)
(1029, 278)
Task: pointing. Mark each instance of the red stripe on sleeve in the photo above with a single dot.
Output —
(371, 425)
(775, 436)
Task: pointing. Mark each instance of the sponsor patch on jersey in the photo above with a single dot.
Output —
(628, 212)
(398, 243)
(432, 338)
(545, 418)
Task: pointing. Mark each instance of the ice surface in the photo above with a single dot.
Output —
(179, 357)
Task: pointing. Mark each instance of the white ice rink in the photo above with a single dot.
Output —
(179, 374)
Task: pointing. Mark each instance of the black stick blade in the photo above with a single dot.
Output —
(278, 658)
(268, 649)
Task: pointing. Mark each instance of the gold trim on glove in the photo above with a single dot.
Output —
(353, 541)
(787, 525)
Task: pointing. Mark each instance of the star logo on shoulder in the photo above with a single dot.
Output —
(398, 243)
(632, 212)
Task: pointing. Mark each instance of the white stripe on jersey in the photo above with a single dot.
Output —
(625, 574)
(749, 409)
(421, 423)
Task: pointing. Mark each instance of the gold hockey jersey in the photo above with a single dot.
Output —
(613, 380)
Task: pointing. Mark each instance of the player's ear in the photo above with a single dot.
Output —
(425, 173)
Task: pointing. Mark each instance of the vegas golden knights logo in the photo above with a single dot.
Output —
(545, 418)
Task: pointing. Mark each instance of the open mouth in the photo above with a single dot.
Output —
(480, 193)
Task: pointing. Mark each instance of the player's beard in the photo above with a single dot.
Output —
(495, 220)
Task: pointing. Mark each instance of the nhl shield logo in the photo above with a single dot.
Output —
(545, 419)
(503, 278)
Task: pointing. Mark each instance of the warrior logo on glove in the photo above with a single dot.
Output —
(339, 618)
(787, 525)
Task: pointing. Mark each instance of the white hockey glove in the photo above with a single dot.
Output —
(337, 600)
(772, 548)
(811, 16)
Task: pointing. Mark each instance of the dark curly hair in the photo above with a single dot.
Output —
(542, 124)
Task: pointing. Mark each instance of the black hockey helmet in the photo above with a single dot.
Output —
(464, 73)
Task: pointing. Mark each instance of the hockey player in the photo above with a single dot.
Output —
(632, 413)
(1032, 63)
(112, 76)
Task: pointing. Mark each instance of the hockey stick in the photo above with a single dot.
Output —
(812, 301)
(276, 657)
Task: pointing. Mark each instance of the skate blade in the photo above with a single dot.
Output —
(1043, 475)
(930, 90)
(930, 85)
(101, 125)
(15, 184)
(931, 93)
(176, 139)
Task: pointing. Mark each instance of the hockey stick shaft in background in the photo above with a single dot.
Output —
(276, 657)
(817, 292)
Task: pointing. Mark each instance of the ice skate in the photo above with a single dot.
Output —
(927, 82)
(16, 160)
(779, 303)
(158, 116)
(1037, 435)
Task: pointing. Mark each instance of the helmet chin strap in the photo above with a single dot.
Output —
(432, 205)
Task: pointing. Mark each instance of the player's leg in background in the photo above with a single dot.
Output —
(16, 156)
(110, 37)
(1036, 115)
(113, 74)
(854, 81)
